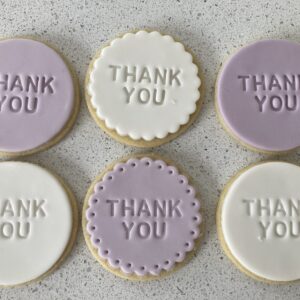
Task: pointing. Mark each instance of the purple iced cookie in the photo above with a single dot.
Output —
(38, 102)
(258, 95)
(141, 218)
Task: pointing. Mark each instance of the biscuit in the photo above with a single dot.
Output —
(38, 222)
(39, 98)
(257, 96)
(143, 89)
(141, 218)
(258, 221)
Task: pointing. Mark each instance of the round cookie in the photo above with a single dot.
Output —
(141, 218)
(38, 97)
(38, 222)
(258, 221)
(143, 89)
(258, 98)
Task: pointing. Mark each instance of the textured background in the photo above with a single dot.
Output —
(212, 30)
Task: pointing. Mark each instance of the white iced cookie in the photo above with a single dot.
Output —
(38, 222)
(143, 88)
(259, 221)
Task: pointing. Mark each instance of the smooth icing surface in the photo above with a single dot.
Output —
(258, 95)
(260, 220)
(144, 85)
(36, 94)
(143, 217)
(35, 222)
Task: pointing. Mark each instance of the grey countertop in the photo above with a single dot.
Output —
(212, 30)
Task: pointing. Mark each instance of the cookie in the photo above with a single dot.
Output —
(38, 222)
(38, 97)
(141, 218)
(258, 221)
(258, 98)
(143, 89)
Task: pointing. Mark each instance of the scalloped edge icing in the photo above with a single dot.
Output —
(175, 126)
(128, 270)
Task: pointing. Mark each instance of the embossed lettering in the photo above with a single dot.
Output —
(259, 82)
(127, 208)
(143, 209)
(16, 84)
(143, 230)
(264, 227)
(275, 103)
(274, 83)
(260, 102)
(22, 230)
(158, 234)
(244, 81)
(112, 206)
(6, 230)
(7, 209)
(46, 84)
(174, 77)
(145, 76)
(2, 101)
(143, 95)
(248, 206)
(128, 93)
(114, 69)
(289, 83)
(263, 208)
(127, 228)
(31, 104)
(174, 209)
(15, 104)
(274, 217)
(37, 208)
(160, 77)
(288, 106)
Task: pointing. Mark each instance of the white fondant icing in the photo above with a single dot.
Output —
(31, 195)
(144, 67)
(260, 220)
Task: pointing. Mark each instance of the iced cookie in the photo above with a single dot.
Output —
(258, 221)
(258, 98)
(143, 89)
(38, 222)
(38, 98)
(141, 218)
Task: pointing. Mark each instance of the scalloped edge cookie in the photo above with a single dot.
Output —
(125, 138)
(189, 254)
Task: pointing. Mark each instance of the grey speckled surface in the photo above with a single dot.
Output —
(212, 29)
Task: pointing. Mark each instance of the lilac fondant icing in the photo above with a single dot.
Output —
(258, 95)
(36, 94)
(143, 217)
